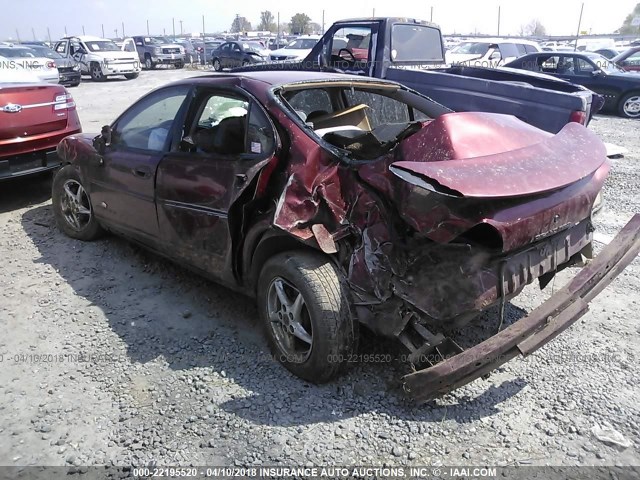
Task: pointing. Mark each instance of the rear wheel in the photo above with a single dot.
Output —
(130, 76)
(217, 66)
(629, 106)
(179, 65)
(72, 206)
(96, 73)
(305, 308)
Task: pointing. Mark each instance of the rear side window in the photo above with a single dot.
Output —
(316, 101)
(521, 49)
(530, 48)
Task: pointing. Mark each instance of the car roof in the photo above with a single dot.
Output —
(87, 38)
(276, 78)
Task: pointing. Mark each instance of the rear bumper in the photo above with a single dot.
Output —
(70, 78)
(28, 164)
(536, 329)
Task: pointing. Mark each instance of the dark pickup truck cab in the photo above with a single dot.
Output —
(411, 52)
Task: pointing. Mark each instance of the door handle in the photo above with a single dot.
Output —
(143, 172)
(241, 178)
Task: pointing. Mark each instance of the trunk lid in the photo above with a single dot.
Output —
(464, 172)
(32, 109)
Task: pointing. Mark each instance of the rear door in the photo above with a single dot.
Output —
(202, 184)
(123, 185)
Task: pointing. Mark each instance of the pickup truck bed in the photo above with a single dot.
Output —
(541, 102)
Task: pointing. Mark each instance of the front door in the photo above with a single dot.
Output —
(123, 184)
(227, 140)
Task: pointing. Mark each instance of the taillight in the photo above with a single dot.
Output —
(51, 64)
(578, 116)
(64, 102)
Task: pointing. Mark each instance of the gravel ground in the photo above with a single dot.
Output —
(111, 355)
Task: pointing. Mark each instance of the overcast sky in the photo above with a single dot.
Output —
(560, 17)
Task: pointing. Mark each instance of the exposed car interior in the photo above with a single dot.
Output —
(366, 122)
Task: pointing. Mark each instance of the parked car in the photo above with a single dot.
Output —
(68, 68)
(295, 50)
(628, 60)
(410, 51)
(190, 52)
(489, 52)
(277, 42)
(384, 211)
(607, 52)
(24, 58)
(620, 89)
(34, 117)
(153, 51)
(99, 57)
(236, 54)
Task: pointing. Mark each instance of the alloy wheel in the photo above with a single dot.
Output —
(632, 106)
(76, 207)
(289, 320)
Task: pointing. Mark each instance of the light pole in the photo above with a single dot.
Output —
(180, 27)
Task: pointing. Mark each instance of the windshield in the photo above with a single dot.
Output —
(302, 43)
(16, 53)
(471, 48)
(253, 47)
(163, 40)
(45, 52)
(102, 46)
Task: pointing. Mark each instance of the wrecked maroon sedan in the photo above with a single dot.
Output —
(340, 201)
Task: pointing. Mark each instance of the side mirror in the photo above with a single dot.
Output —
(102, 141)
(596, 73)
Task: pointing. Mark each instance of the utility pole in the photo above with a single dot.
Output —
(115, 30)
(278, 36)
(173, 24)
(498, 20)
(49, 34)
(431, 17)
(322, 20)
(373, 14)
(102, 26)
(203, 30)
(147, 27)
(180, 27)
(18, 36)
(65, 30)
(123, 34)
(575, 47)
(83, 30)
(34, 34)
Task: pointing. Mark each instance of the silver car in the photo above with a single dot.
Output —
(23, 58)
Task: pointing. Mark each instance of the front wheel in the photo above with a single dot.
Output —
(148, 63)
(96, 73)
(305, 308)
(130, 76)
(629, 106)
(72, 206)
(217, 66)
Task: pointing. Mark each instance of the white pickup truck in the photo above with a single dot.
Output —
(99, 57)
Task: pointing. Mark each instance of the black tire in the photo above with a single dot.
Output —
(217, 66)
(96, 72)
(179, 65)
(131, 76)
(148, 63)
(626, 106)
(325, 311)
(87, 227)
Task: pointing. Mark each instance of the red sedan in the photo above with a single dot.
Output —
(629, 60)
(341, 202)
(34, 117)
